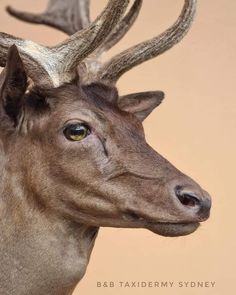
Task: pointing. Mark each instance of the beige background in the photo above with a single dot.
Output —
(194, 128)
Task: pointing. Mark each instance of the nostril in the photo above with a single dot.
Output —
(186, 198)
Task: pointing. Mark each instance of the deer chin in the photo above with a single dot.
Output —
(173, 229)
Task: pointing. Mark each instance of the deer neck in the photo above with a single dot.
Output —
(40, 252)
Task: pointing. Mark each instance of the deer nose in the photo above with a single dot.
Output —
(198, 201)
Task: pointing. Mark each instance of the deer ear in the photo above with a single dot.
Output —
(14, 85)
(141, 104)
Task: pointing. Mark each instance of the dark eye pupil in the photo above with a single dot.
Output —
(76, 132)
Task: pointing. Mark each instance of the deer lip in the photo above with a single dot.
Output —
(172, 229)
(167, 229)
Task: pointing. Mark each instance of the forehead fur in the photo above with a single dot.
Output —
(97, 97)
(58, 103)
(96, 93)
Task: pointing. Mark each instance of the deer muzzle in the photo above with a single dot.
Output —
(166, 201)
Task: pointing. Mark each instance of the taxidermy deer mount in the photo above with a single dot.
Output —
(73, 152)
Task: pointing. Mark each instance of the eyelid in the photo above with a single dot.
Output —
(74, 122)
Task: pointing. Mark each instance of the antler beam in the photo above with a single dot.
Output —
(58, 64)
(144, 51)
(93, 62)
(122, 28)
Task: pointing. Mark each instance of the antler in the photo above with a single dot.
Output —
(89, 43)
(72, 16)
(68, 16)
(93, 63)
(144, 51)
(53, 66)
(122, 28)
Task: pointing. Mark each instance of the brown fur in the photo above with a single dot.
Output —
(55, 193)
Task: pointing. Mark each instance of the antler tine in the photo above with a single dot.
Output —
(68, 16)
(59, 63)
(81, 44)
(144, 51)
(93, 63)
(122, 28)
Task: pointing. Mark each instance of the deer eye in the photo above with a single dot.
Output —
(76, 132)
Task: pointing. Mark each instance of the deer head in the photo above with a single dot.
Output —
(78, 147)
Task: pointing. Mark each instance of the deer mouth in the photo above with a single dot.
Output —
(166, 229)
(173, 229)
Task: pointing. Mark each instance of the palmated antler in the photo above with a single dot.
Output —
(68, 16)
(53, 66)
